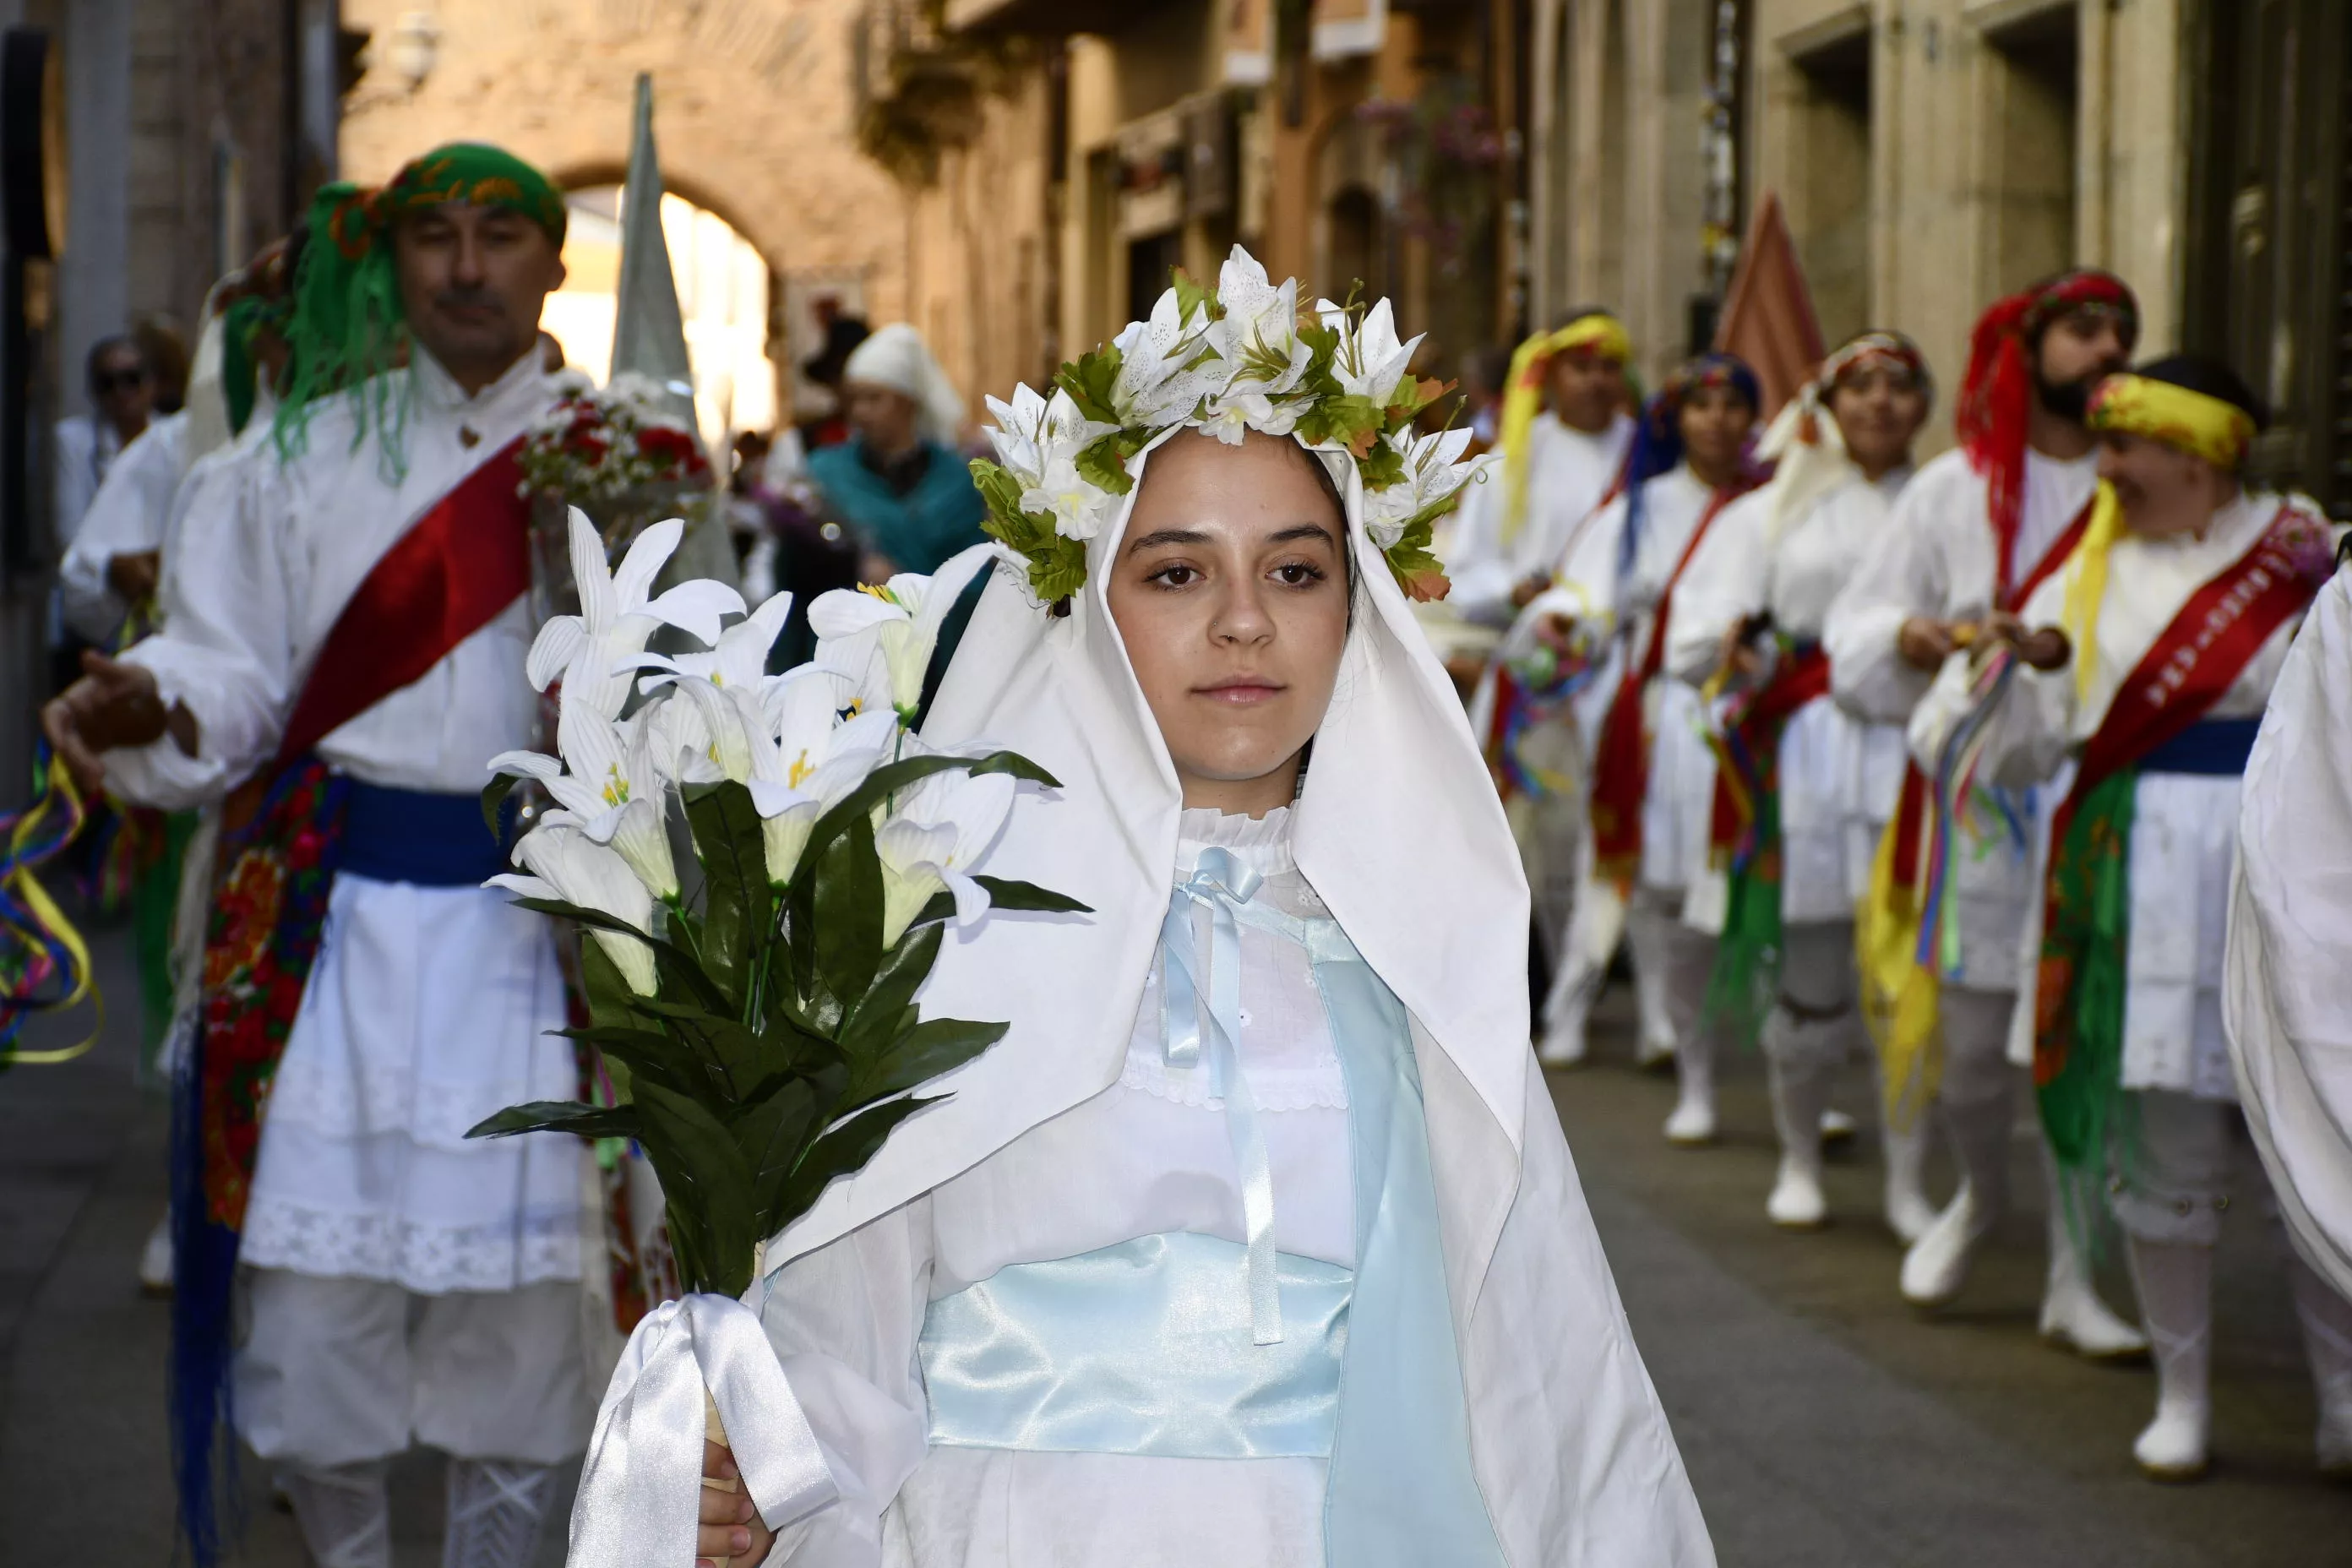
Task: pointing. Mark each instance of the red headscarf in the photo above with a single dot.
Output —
(1997, 394)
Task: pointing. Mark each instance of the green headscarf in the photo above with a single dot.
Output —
(346, 327)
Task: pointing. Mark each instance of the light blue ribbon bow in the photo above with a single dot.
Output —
(1220, 883)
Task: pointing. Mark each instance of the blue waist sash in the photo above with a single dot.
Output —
(2215, 748)
(411, 836)
(1141, 1348)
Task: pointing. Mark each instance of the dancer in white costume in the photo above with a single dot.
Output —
(2284, 998)
(394, 1283)
(1748, 621)
(1565, 439)
(2147, 661)
(1973, 532)
(1653, 781)
(981, 1324)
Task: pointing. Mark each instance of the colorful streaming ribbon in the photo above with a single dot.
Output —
(1948, 793)
(44, 962)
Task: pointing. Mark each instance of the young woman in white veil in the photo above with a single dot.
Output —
(1255, 1240)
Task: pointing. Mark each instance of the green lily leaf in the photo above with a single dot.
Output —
(559, 1116)
(847, 1148)
(731, 1056)
(673, 960)
(708, 1183)
(772, 1133)
(494, 800)
(902, 972)
(847, 911)
(919, 1054)
(737, 908)
(642, 1053)
(1004, 893)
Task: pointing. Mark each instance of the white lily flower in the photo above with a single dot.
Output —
(897, 623)
(739, 657)
(944, 827)
(1231, 416)
(822, 758)
(1258, 338)
(564, 863)
(593, 650)
(614, 787)
(1371, 363)
(1433, 472)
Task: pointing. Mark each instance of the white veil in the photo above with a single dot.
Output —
(1399, 829)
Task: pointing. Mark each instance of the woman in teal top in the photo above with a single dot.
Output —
(899, 482)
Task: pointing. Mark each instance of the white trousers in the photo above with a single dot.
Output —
(1813, 1026)
(2170, 1159)
(342, 1372)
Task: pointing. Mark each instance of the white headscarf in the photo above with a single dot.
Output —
(897, 357)
(1399, 829)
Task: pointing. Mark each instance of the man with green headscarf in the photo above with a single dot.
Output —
(345, 630)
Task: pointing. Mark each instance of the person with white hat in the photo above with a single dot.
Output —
(899, 481)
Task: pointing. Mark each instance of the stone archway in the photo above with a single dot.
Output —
(754, 112)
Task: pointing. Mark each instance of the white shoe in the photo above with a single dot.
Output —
(1561, 1049)
(1693, 1124)
(2173, 1449)
(1937, 1265)
(1909, 1215)
(2073, 1318)
(1797, 1202)
(1654, 1055)
(1837, 1126)
(155, 1259)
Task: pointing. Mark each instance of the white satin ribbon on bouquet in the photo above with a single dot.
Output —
(640, 1490)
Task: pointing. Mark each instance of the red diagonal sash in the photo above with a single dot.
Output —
(1911, 805)
(464, 561)
(2200, 654)
(1621, 765)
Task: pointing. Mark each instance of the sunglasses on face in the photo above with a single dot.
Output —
(108, 381)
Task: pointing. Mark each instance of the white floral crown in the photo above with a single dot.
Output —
(1239, 357)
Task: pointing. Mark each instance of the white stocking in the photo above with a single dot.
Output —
(2327, 1341)
(496, 1509)
(2176, 1301)
(345, 1515)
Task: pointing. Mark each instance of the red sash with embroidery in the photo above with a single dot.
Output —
(2078, 1032)
(1911, 805)
(1747, 758)
(1621, 764)
(453, 572)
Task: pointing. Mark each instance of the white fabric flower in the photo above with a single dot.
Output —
(1371, 360)
(1259, 337)
(820, 759)
(595, 649)
(564, 863)
(1432, 471)
(738, 658)
(1159, 381)
(1038, 440)
(942, 829)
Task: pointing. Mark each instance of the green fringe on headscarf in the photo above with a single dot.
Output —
(347, 329)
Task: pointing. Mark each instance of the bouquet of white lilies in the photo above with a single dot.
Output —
(760, 1026)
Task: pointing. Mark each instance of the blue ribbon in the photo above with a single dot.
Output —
(1219, 885)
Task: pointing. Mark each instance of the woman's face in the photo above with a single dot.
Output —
(1715, 421)
(1231, 592)
(2164, 492)
(1879, 408)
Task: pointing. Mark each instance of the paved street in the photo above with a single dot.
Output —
(1824, 1424)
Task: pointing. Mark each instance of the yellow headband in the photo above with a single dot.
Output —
(2191, 422)
(1599, 334)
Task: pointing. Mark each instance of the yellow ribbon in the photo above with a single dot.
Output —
(2186, 421)
(1901, 998)
(47, 914)
(2086, 585)
(1600, 334)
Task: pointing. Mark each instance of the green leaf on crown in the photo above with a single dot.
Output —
(1091, 380)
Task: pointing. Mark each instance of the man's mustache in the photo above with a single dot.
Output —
(467, 299)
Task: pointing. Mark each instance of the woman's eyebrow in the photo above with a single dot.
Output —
(1168, 536)
(1304, 530)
